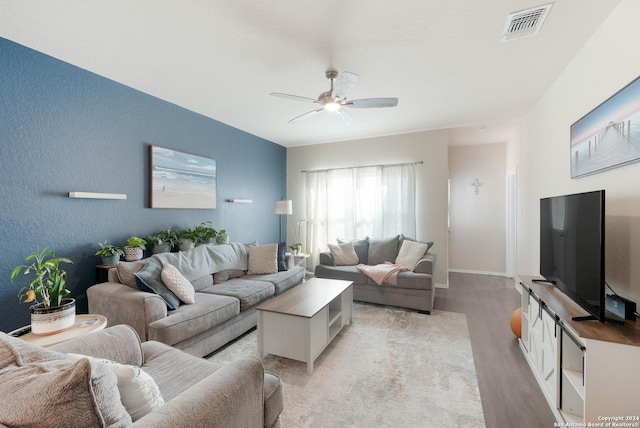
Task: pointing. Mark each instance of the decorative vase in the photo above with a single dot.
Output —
(53, 319)
(186, 244)
(161, 248)
(110, 260)
(131, 254)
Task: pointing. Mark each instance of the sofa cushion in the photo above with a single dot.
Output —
(383, 250)
(347, 273)
(125, 271)
(202, 282)
(282, 281)
(282, 258)
(263, 259)
(149, 280)
(226, 275)
(416, 281)
(410, 253)
(343, 254)
(361, 247)
(249, 292)
(138, 391)
(189, 320)
(44, 388)
(178, 284)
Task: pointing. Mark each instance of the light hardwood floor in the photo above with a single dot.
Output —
(510, 394)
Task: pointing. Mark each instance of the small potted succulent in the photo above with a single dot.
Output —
(51, 310)
(110, 253)
(164, 241)
(134, 250)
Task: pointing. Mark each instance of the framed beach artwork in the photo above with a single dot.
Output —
(609, 135)
(181, 180)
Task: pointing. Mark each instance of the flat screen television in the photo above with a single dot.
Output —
(572, 248)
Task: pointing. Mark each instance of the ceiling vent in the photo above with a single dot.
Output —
(525, 23)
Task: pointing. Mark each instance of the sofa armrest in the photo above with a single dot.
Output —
(119, 343)
(425, 265)
(122, 304)
(230, 397)
(326, 258)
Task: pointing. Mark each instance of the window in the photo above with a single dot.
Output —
(375, 201)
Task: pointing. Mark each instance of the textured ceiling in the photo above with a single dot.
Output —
(221, 58)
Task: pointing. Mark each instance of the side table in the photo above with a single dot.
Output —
(85, 324)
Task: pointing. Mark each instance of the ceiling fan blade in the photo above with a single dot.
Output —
(343, 84)
(305, 115)
(294, 97)
(346, 117)
(372, 103)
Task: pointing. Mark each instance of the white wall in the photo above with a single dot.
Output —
(477, 238)
(607, 63)
(431, 177)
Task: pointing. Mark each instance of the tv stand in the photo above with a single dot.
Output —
(585, 370)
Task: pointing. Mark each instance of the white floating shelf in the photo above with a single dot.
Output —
(92, 195)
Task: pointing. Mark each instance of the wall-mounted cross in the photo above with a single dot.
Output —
(476, 186)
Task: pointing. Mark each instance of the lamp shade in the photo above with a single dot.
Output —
(284, 207)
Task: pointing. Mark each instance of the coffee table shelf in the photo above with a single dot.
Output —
(300, 323)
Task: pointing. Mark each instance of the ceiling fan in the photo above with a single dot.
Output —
(335, 98)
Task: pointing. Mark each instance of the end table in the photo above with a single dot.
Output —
(85, 324)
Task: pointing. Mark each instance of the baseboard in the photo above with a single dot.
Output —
(442, 285)
(479, 272)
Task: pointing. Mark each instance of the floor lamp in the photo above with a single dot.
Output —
(283, 207)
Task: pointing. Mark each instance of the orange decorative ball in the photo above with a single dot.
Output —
(516, 322)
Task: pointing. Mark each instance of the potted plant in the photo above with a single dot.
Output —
(222, 237)
(51, 311)
(205, 233)
(188, 239)
(110, 253)
(134, 249)
(164, 241)
(295, 247)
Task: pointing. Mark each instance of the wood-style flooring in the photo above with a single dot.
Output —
(510, 394)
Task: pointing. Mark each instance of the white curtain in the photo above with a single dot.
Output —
(375, 201)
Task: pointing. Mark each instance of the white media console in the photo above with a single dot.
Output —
(588, 371)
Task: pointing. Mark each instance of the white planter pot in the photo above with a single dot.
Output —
(53, 319)
(162, 248)
(131, 254)
(186, 244)
(110, 260)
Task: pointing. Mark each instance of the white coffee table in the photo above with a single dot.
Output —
(301, 322)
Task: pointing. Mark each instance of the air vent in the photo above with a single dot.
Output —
(525, 23)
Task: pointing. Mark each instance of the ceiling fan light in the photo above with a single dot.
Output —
(333, 106)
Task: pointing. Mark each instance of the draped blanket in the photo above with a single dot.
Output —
(206, 259)
(382, 273)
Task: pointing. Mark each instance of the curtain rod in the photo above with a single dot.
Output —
(363, 166)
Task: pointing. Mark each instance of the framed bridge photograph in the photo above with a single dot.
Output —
(181, 180)
(609, 135)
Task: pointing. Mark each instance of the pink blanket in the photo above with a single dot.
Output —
(382, 273)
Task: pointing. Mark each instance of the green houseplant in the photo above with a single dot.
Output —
(134, 250)
(205, 233)
(295, 247)
(188, 239)
(164, 241)
(51, 311)
(110, 253)
(222, 237)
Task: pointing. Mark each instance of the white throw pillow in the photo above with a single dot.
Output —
(263, 259)
(344, 254)
(178, 284)
(139, 393)
(410, 253)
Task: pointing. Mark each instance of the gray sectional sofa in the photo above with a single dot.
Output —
(415, 288)
(226, 295)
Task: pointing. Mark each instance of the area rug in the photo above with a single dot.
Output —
(389, 368)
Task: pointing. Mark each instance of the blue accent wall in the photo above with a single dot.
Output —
(65, 129)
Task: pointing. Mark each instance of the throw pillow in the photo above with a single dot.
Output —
(343, 254)
(139, 393)
(406, 238)
(125, 271)
(225, 275)
(47, 389)
(282, 259)
(410, 253)
(383, 250)
(148, 279)
(178, 284)
(263, 259)
(361, 246)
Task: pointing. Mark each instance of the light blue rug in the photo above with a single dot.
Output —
(389, 368)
